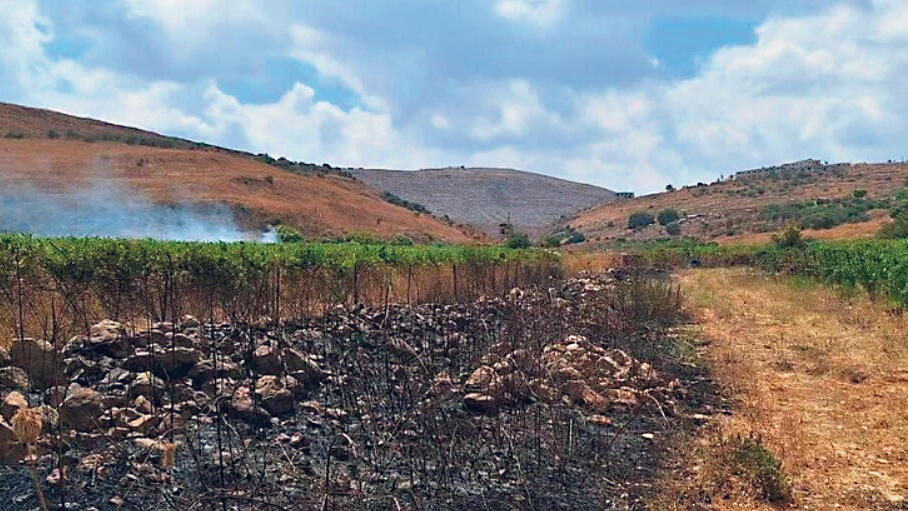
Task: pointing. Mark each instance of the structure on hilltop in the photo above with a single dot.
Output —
(809, 165)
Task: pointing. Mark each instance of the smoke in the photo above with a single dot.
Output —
(102, 209)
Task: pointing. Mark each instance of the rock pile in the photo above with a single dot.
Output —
(574, 371)
(112, 384)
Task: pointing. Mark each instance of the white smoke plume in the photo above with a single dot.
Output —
(102, 209)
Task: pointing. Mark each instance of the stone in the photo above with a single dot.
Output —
(142, 404)
(204, 370)
(82, 410)
(39, 360)
(274, 395)
(13, 378)
(11, 404)
(303, 367)
(481, 402)
(108, 337)
(11, 449)
(595, 400)
(242, 406)
(481, 378)
(266, 360)
(189, 322)
(146, 384)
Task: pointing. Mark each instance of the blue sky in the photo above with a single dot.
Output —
(627, 95)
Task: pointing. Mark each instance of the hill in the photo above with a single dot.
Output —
(485, 197)
(748, 208)
(62, 155)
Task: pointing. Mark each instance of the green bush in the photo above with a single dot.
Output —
(640, 219)
(673, 228)
(895, 230)
(287, 234)
(859, 193)
(764, 470)
(667, 216)
(789, 238)
(518, 240)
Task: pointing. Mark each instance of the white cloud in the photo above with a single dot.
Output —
(515, 109)
(540, 13)
(829, 85)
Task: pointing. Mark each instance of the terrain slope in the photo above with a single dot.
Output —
(485, 197)
(730, 210)
(59, 153)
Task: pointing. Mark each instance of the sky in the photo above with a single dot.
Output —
(627, 95)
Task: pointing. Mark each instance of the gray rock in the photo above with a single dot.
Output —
(13, 378)
(82, 410)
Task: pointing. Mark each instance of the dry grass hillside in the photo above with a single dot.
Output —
(485, 197)
(48, 151)
(731, 210)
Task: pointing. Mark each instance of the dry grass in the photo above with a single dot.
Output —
(317, 205)
(820, 377)
(723, 210)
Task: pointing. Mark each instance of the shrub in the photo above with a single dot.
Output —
(287, 234)
(639, 220)
(403, 241)
(898, 229)
(789, 238)
(673, 228)
(667, 216)
(859, 193)
(518, 240)
(764, 470)
(52, 134)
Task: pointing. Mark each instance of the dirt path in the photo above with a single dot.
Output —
(819, 379)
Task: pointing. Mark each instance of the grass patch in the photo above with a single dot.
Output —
(755, 462)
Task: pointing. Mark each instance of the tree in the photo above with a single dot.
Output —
(640, 219)
(667, 216)
(669, 188)
(518, 240)
(789, 238)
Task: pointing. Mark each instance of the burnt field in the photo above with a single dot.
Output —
(547, 398)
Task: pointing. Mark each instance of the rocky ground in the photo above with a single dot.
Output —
(543, 399)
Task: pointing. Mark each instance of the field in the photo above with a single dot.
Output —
(817, 379)
(295, 376)
(366, 375)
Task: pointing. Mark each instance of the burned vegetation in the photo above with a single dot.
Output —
(549, 397)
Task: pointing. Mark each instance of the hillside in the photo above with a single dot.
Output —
(60, 154)
(484, 197)
(739, 210)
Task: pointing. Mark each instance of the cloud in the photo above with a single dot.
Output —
(563, 87)
(540, 13)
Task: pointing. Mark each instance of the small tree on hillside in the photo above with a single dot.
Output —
(518, 240)
(640, 219)
(667, 216)
(789, 238)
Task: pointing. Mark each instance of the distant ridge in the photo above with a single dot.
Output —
(487, 197)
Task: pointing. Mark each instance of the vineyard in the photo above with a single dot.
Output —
(878, 266)
(85, 279)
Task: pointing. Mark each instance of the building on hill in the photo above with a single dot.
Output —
(809, 165)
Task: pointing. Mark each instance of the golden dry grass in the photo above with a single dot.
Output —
(317, 205)
(723, 209)
(820, 377)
